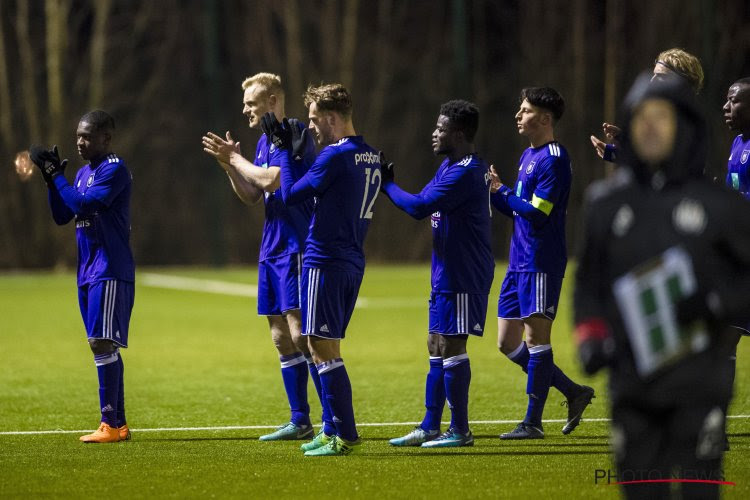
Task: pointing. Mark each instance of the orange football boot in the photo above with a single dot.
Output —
(104, 434)
(124, 433)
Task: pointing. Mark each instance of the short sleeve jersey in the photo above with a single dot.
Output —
(346, 178)
(738, 166)
(462, 259)
(104, 237)
(544, 180)
(285, 228)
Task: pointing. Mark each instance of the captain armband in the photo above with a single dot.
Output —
(541, 204)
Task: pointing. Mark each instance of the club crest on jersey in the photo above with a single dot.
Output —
(745, 154)
(90, 180)
(435, 219)
(530, 166)
(689, 217)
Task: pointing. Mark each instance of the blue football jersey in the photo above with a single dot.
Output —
(462, 259)
(544, 180)
(285, 228)
(103, 235)
(738, 166)
(345, 179)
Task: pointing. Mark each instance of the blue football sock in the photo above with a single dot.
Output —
(457, 379)
(338, 391)
(521, 357)
(560, 381)
(541, 366)
(434, 395)
(327, 417)
(294, 374)
(121, 420)
(108, 370)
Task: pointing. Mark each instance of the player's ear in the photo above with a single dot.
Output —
(272, 100)
(331, 119)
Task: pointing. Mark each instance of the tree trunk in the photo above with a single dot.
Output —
(293, 53)
(348, 43)
(6, 111)
(28, 73)
(102, 8)
(56, 12)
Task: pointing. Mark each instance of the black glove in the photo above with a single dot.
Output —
(386, 170)
(595, 354)
(280, 134)
(300, 138)
(54, 157)
(48, 162)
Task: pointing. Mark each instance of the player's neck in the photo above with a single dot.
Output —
(94, 162)
(346, 130)
(542, 138)
(461, 151)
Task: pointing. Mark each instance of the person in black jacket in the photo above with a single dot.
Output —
(664, 269)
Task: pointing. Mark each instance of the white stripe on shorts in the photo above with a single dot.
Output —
(312, 299)
(541, 292)
(466, 313)
(299, 279)
(462, 312)
(110, 294)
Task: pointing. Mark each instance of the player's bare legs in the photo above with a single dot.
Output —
(280, 335)
(294, 373)
(323, 350)
(509, 334)
(538, 332)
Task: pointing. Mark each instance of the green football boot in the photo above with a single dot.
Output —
(320, 439)
(336, 447)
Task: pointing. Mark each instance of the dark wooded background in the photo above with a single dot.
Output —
(170, 70)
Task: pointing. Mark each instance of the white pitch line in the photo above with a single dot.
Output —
(258, 427)
(197, 285)
(154, 280)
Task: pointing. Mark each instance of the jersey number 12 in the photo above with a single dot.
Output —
(371, 177)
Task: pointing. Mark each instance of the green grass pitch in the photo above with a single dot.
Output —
(205, 360)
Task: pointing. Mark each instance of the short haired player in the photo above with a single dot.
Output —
(529, 295)
(281, 248)
(456, 200)
(99, 201)
(671, 62)
(344, 180)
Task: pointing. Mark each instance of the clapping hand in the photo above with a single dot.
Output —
(280, 134)
(495, 182)
(386, 170)
(219, 148)
(48, 162)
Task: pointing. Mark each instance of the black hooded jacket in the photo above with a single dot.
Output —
(631, 220)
